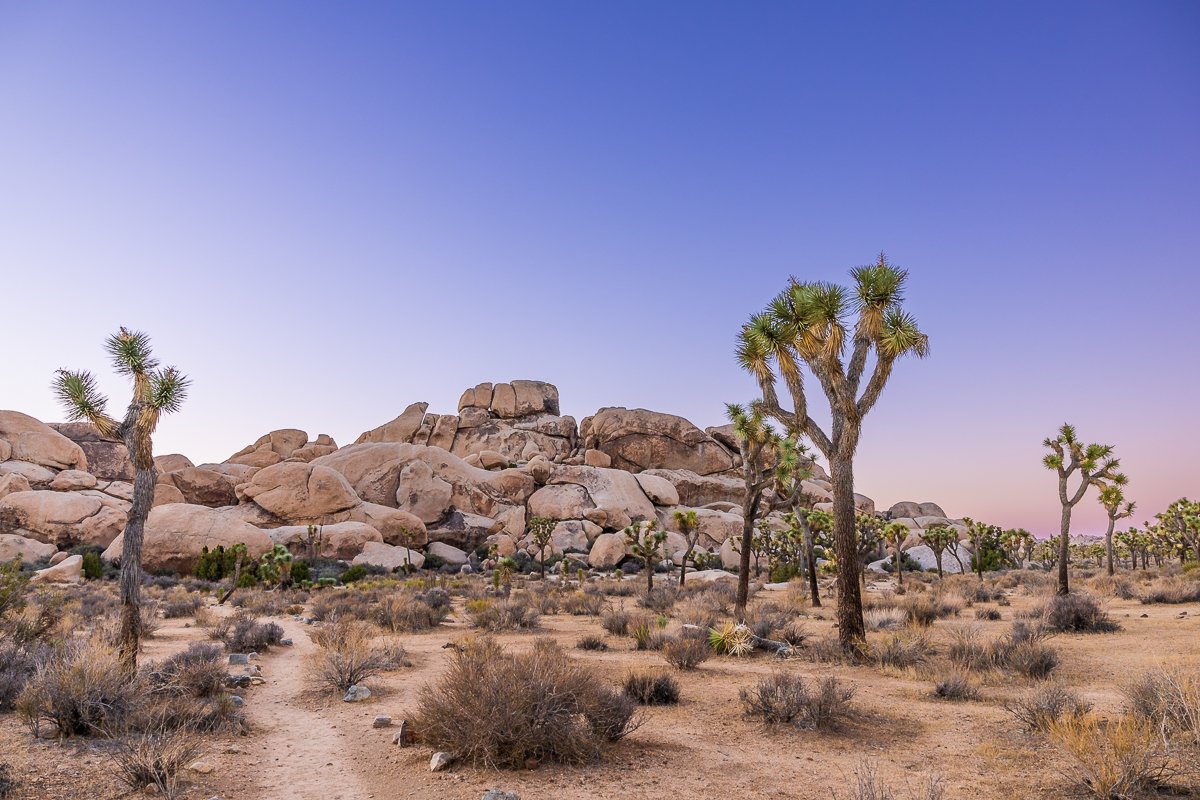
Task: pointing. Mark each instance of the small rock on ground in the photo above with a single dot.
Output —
(441, 761)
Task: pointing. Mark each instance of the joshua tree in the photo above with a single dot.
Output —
(155, 392)
(1116, 507)
(540, 531)
(645, 540)
(689, 529)
(937, 539)
(1096, 467)
(984, 538)
(810, 324)
(275, 567)
(314, 540)
(814, 523)
(895, 534)
(1014, 542)
(1181, 523)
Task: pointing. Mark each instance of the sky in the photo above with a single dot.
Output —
(324, 212)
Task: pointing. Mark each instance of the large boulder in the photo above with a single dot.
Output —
(72, 480)
(296, 490)
(715, 527)
(171, 462)
(389, 557)
(176, 535)
(615, 492)
(13, 483)
(701, 490)
(202, 487)
(271, 448)
(660, 490)
(447, 552)
(27, 439)
(69, 570)
(35, 475)
(637, 439)
(564, 501)
(30, 550)
(394, 525)
(463, 530)
(422, 493)
(107, 459)
(607, 551)
(524, 399)
(924, 556)
(341, 540)
(63, 519)
(401, 429)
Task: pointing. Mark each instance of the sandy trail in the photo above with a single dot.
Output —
(302, 749)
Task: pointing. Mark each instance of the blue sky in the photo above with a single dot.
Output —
(323, 212)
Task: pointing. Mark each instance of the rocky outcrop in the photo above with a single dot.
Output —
(297, 490)
(23, 438)
(171, 462)
(342, 540)
(176, 535)
(637, 439)
(613, 492)
(389, 557)
(69, 570)
(107, 459)
(908, 508)
(201, 487)
(701, 490)
(13, 483)
(63, 519)
(463, 530)
(30, 551)
(282, 445)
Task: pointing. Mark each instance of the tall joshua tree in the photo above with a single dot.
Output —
(1112, 497)
(155, 392)
(810, 324)
(1096, 467)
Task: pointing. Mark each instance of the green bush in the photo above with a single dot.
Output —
(93, 567)
(355, 573)
(434, 562)
(301, 572)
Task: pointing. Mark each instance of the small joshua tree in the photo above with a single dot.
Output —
(1096, 467)
(1180, 523)
(314, 540)
(646, 540)
(816, 524)
(540, 531)
(937, 539)
(155, 392)
(1112, 497)
(689, 529)
(275, 567)
(984, 538)
(895, 534)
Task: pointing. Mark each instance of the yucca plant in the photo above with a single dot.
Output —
(155, 392)
(809, 325)
(1095, 465)
(1116, 508)
(731, 639)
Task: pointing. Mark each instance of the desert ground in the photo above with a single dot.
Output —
(305, 742)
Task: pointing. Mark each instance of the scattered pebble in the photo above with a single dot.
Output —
(381, 721)
(440, 762)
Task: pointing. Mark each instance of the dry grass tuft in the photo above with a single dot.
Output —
(1125, 757)
(784, 698)
(347, 655)
(1042, 707)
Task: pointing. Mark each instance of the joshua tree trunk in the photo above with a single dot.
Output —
(899, 566)
(937, 558)
(1064, 547)
(810, 555)
(140, 453)
(1108, 544)
(851, 630)
(649, 575)
(683, 565)
(743, 589)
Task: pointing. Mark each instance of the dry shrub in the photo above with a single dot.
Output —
(500, 709)
(1125, 757)
(765, 620)
(924, 609)
(18, 663)
(243, 633)
(592, 643)
(686, 652)
(1113, 586)
(956, 685)
(583, 604)
(1171, 590)
(869, 786)
(410, 612)
(181, 603)
(646, 634)
(660, 600)
(1169, 700)
(698, 613)
(989, 614)
(343, 603)
(198, 671)
(885, 619)
(1045, 705)
(826, 650)
(617, 622)
(784, 698)
(156, 757)
(652, 689)
(1022, 650)
(81, 690)
(902, 650)
(265, 603)
(1073, 613)
(794, 633)
(347, 654)
(514, 613)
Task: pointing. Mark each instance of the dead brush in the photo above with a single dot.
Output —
(198, 671)
(885, 619)
(765, 620)
(583, 604)
(1167, 699)
(652, 689)
(785, 698)
(686, 653)
(513, 613)
(80, 690)
(956, 685)
(1171, 590)
(902, 650)
(1038, 709)
(407, 612)
(1124, 757)
(616, 622)
(347, 654)
(156, 758)
(1073, 613)
(869, 786)
(243, 633)
(499, 709)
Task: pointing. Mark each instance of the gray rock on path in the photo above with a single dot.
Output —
(356, 693)
(440, 761)
(381, 721)
(497, 794)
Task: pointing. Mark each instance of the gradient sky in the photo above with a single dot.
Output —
(323, 212)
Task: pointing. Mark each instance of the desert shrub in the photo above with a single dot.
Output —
(93, 567)
(1073, 613)
(765, 619)
(885, 619)
(686, 653)
(731, 639)
(1023, 650)
(1125, 757)
(1113, 586)
(13, 583)
(411, 612)
(155, 758)
(582, 604)
(354, 573)
(784, 698)
(616, 622)
(1171, 590)
(661, 600)
(198, 671)
(264, 603)
(925, 608)
(515, 613)
(347, 654)
(647, 635)
(80, 689)
(342, 603)
(592, 643)
(869, 786)
(794, 633)
(243, 633)
(697, 613)
(181, 603)
(652, 689)
(1169, 700)
(7, 782)
(989, 614)
(1033, 659)
(499, 709)
(826, 650)
(902, 650)
(1039, 708)
(956, 685)
(18, 663)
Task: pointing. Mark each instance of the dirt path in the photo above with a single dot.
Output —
(303, 752)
